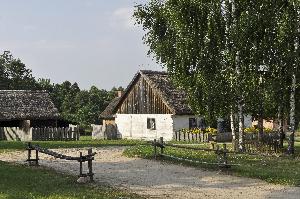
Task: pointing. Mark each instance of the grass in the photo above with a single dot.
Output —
(279, 170)
(85, 141)
(21, 182)
(39, 183)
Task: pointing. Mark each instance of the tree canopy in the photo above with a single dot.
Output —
(198, 41)
(78, 106)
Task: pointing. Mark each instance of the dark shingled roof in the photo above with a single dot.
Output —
(174, 98)
(108, 113)
(26, 105)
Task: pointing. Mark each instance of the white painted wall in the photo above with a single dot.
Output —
(248, 121)
(134, 126)
(182, 121)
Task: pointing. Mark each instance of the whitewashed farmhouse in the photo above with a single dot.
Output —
(151, 107)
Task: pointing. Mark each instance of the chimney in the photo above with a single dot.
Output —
(119, 93)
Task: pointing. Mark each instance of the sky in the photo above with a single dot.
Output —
(91, 42)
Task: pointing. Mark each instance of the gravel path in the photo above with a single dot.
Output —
(155, 179)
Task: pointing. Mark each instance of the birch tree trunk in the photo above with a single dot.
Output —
(241, 127)
(280, 125)
(291, 148)
(240, 108)
(238, 73)
(260, 120)
(232, 126)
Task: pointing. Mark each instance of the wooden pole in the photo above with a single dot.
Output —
(36, 157)
(162, 145)
(155, 149)
(90, 165)
(80, 167)
(29, 152)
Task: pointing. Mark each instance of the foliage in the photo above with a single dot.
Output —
(215, 49)
(251, 130)
(78, 106)
(23, 182)
(255, 130)
(212, 131)
(75, 105)
(14, 75)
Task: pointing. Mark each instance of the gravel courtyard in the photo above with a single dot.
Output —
(154, 179)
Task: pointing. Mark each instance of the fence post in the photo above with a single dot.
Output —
(162, 145)
(90, 165)
(36, 157)
(80, 165)
(155, 149)
(29, 148)
(225, 158)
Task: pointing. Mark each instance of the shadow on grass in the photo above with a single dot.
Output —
(21, 182)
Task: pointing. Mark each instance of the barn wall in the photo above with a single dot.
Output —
(15, 134)
(135, 126)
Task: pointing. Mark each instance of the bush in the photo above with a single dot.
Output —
(211, 131)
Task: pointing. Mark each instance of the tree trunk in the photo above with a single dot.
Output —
(291, 148)
(280, 126)
(233, 132)
(260, 120)
(241, 127)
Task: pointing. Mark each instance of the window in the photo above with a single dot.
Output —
(151, 124)
(192, 123)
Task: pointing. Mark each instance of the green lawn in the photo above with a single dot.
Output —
(279, 170)
(22, 182)
(85, 141)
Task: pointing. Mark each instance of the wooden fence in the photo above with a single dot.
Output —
(81, 159)
(270, 143)
(55, 134)
(221, 160)
(203, 137)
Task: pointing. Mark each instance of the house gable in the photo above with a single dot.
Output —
(141, 98)
(152, 92)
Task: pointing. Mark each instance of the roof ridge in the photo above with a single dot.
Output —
(35, 91)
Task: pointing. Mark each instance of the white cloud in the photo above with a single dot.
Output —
(122, 17)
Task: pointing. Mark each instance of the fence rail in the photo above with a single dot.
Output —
(81, 159)
(222, 153)
(269, 143)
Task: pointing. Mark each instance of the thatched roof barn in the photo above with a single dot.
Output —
(147, 84)
(26, 105)
(152, 106)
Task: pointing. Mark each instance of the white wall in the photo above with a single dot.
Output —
(135, 125)
(182, 121)
(248, 121)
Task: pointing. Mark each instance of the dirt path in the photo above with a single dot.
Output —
(161, 180)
